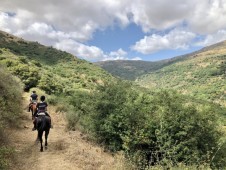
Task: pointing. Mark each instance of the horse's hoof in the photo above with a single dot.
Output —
(41, 150)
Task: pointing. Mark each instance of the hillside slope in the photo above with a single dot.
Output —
(130, 70)
(50, 69)
(201, 74)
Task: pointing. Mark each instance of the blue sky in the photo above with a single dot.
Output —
(115, 38)
(100, 30)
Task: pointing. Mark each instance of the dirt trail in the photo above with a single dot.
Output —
(67, 150)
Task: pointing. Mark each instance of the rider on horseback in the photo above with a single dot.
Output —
(41, 111)
(33, 99)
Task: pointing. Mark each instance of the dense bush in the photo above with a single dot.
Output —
(10, 97)
(152, 128)
(10, 109)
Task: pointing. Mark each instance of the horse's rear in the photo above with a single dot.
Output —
(33, 109)
(44, 124)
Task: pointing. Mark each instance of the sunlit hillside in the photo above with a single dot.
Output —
(201, 75)
(52, 70)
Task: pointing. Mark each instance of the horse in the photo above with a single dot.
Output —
(33, 109)
(43, 124)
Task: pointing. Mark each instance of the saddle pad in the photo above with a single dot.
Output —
(41, 114)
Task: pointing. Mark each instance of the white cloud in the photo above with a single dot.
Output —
(84, 17)
(212, 38)
(55, 22)
(83, 51)
(120, 54)
(176, 39)
(136, 58)
(160, 14)
(208, 16)
(91, 53)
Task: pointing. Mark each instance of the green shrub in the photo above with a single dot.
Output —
(151, 128)
(10, 104)
(10, 97)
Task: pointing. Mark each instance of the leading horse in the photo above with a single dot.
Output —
(43, 125)
(33, 109)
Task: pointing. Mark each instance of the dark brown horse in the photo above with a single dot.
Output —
(43, 125)
(33, 109)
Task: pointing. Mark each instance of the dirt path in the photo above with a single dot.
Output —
(67, 150)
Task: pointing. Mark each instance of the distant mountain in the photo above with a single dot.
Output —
(52, 70)
(201, 74)
(130, 70)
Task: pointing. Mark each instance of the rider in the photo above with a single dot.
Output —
(33, 99)
(41, 111)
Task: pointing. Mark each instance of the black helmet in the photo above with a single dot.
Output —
(42, 98)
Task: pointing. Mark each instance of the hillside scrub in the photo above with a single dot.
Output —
(77, 75)
(202, 77)
(10, 104)
(152, 128)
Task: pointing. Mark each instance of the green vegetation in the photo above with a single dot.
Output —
(129, 70)
(10, 109)
(152, 128)
(201, 76)
(159, 128)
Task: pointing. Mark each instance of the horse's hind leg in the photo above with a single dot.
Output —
(46, 137)
(40, 138)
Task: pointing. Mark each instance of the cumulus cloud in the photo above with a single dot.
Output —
(212, 38)
(161, 14)
(120, 54)
(74, 22)
(86, 52)
(91, 52)
(176, 39)
(208, 17)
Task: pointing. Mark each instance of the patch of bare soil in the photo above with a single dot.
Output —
(67, 150)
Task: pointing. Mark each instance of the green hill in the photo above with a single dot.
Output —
(50, 69)
(201, 74)
(131, 70)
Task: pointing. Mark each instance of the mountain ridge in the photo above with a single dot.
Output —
(132, 69)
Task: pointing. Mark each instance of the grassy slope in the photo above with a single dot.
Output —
(201, 75)
(64, 70)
